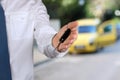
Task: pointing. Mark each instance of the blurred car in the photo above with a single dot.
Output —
(118, 30)
(107, 33)
(116, 22)
(92, 37)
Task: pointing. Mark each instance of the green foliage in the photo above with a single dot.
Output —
(102, 8)
(71, 12)
(65, 10)
(89, 14)
(53, 7)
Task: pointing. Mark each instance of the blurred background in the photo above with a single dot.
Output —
(95, 55)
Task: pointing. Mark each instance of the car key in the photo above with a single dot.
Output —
(64, 37)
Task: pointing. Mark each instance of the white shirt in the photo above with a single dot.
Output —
(26, 20)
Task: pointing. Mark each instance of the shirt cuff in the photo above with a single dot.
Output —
(52, 53)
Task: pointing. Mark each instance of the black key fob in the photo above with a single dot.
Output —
(65, 35)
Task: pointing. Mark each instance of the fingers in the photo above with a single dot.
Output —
(73, 25)
(70, 40)
(64, 46)
(72, 37)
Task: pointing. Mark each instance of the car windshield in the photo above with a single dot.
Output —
(118, 26)
(86, 29)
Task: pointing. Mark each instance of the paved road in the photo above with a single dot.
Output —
(104, 65)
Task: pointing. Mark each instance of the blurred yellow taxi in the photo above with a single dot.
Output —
(107, 33)
(116, 22)
(92, 37)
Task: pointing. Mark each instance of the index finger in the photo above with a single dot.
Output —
(73, 25)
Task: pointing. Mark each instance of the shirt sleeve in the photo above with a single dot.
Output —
(44, 32)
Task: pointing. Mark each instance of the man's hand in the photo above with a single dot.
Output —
(71, 38)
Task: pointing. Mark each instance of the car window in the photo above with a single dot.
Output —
(107, 28)
(86, 29)
(118, 26)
